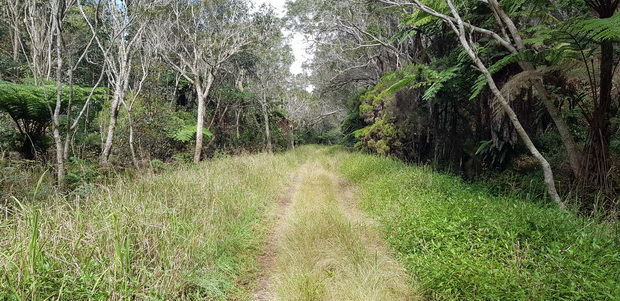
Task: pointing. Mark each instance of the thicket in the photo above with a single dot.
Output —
(459, 242)
(438, 110)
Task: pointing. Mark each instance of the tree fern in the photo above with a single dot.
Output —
(187, 133)
(481, 81)
(599, 29)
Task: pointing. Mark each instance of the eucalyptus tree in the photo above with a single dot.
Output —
(12, 12)
(196, 37)
(118, 27)
(271, 72)
(47, 57)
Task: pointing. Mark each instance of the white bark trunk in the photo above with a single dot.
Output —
(548, 173)
(114, 109)
(60, 162)
(120, 88)
(238, 117)
(202, 93)
(263, 105)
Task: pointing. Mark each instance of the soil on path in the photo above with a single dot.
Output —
(265, 290)
(324, 248)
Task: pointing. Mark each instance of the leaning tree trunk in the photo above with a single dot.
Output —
(459, 29)
(120, 88)
(573, 152)
(114, 109)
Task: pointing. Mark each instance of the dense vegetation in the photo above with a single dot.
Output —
(461, 242)
(194, 232)
(96, 82)
(478, 87)
(531, 89)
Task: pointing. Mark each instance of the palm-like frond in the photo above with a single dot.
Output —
(599, 29)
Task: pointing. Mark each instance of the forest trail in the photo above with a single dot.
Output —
(323, 248)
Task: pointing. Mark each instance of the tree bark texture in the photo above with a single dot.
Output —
(202, 92)
(60, 162)
(263, 105)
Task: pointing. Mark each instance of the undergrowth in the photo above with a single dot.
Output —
(187, 234)
(462, 243)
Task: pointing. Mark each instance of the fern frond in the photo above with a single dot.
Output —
(188, 133)
(481, 81)
(441, 79)
(599, 29)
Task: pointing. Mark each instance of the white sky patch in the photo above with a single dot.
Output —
(298, 43)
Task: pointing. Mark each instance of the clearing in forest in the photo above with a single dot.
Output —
(323, 248)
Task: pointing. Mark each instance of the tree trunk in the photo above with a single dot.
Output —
(238, 116)
(120, 87)
(263, 105)
(202, 93)
(60, 162)
(134, 159)
(567, 137)
(16, 43)
(291, 138)
(548, 173)
(596, 162)
(572, 150)
(68, 133)
(114, 108)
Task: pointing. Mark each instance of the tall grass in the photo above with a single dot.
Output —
(328, 252)
(461, 243)
(191, 233)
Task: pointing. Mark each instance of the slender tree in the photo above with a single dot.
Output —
(196, 37)
(462, 30)
(45, 30)
(271, 73)
(118, 37)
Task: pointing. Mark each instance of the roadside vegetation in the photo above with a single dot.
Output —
(460, 242)
(198, 232)
(190, 233)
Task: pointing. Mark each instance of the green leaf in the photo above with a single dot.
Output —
(481, 81)
(188, 133)
(599, 29)
(484, 145)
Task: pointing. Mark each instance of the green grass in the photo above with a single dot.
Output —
(330, 252)
(196, 232)
(189, 233)
(461, 243)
